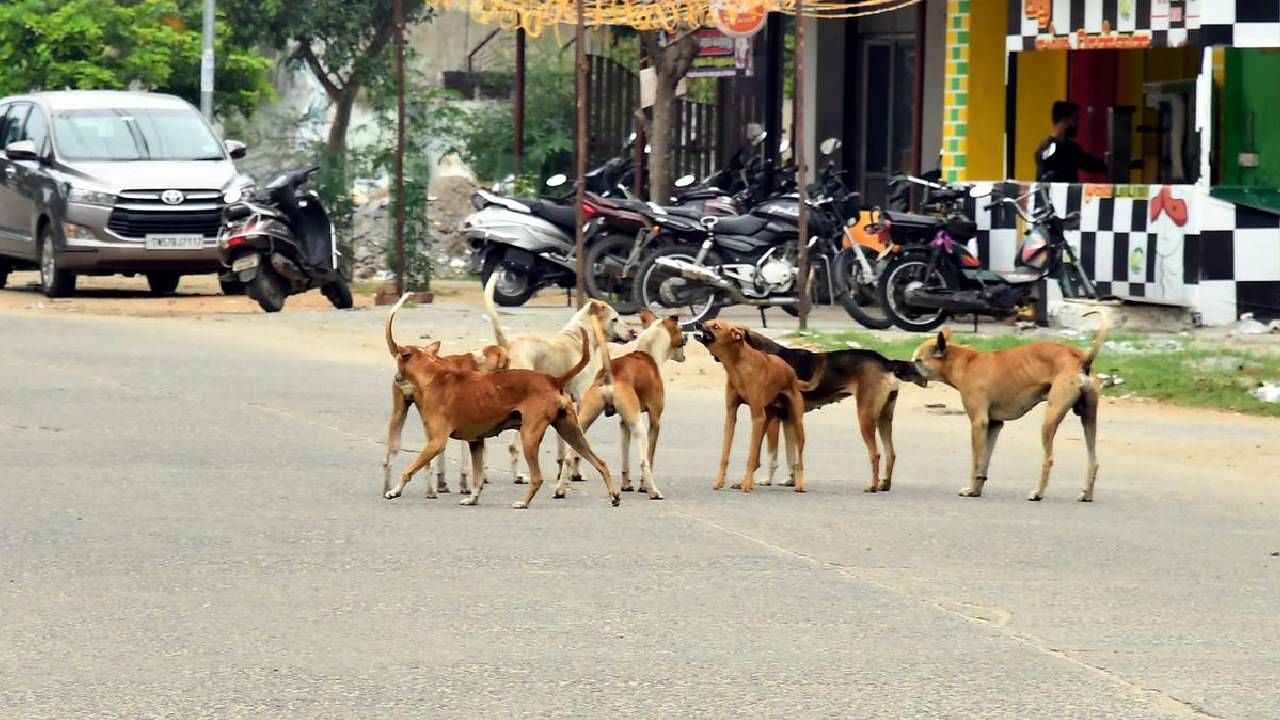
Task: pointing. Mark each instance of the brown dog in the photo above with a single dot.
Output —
(491, 357)
(472, 406)
(1004, 385)
(769, 387)
(631, 385)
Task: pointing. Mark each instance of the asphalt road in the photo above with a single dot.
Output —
(191, 527)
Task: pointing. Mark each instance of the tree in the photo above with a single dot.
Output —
(670, 63)
(342, 42)
(92, 44)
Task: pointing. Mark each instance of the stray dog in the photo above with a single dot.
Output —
(1000, 386)
(769, 387)
(866, 375)
(471, 406)
(557, 354)
(631, 385)
(487, 359)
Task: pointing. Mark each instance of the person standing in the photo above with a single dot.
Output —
(1059, 158)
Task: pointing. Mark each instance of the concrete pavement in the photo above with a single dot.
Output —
(190, 526)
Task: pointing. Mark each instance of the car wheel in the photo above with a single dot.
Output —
(54, 281)
(163, 283)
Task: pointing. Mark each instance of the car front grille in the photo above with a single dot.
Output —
(141, 212)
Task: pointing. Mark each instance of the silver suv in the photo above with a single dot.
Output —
(105, 183)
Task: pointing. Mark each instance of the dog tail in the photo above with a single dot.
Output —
(606, 369)
(491, 310)
(812, 383)
(1094, 349)
(391, 318)
(564, 379)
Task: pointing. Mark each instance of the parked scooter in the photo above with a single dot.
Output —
(281, 243)
(933, 275)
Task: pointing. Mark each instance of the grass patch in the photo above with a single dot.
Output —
(1173, 370)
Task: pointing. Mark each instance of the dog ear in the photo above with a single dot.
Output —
(736, 335)
(433, 349)
(647, 317)
(940, 347)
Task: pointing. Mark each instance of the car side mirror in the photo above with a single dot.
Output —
(235, 149)
(22, 150)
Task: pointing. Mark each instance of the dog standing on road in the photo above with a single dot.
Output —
(869, 377)
(487, 359)
(471, 406)
(769, 387)
(997, 387)
(557, 354)
(631, 386)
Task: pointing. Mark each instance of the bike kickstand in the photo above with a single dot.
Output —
(764, 323)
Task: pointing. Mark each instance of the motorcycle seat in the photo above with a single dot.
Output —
(740, 225)
(562, 215)
(687, 212)
(912, 221)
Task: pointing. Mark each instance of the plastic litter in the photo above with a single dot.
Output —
(1110, 380)
(1123, 347)
(1071, 332)
(1267, 393)
(1249, 326)
(1168, 345)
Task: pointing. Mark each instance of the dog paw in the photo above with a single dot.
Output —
(469, 501)
(1035, 497)
(560, 495)
(870, 488)
(627, 488)
(576, 478)
(520, 505)
(617, 500)
(717, 485)
(443, 489)
(766, 482)
(970, 492)
(885, 486)
(519, 480)
(655, 495)
(1086, 497)
(789, 482)
(391, 494)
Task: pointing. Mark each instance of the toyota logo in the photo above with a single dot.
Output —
(172, 197)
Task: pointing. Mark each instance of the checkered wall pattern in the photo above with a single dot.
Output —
(1223, 261)
(955, 124)
(1143, 23)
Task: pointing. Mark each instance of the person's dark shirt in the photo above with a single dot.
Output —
(1067, 161)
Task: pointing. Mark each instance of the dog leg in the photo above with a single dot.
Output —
(980, 441)
(531, 439)
(477, 471)
(771, 449)
(568, 460)
(435, 445)
(886, 439)
(655, 424)
(1058, 407)
(514, 449)
(399, 411)
(567, 428)
(789, 440)
(590, 409)
(731, 403)
(867, 426)
(462, 471)
(797, 432)
(1089, 419)
(758, 421)
(633, 424)
(442, 465)
(625, 432)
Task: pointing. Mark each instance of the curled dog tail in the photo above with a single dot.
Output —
(1094, 349)
(812, 383)
(606, 369)
(562, 380)
(491, 310)
(391, 318)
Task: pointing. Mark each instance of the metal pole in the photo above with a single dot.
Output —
(917, 91)
(580, 240)
(798, 149)
(206, 62)
(398, 21)
(517, 161)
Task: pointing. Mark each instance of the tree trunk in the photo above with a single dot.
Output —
(342, 107)
(670, 64)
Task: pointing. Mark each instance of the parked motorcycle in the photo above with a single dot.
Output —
(932, 275)
(280, 243)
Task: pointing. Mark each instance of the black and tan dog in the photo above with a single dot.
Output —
(1004, 385)
(865, 375)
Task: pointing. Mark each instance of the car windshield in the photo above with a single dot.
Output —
(124, 134)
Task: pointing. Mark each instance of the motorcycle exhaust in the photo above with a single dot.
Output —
(956, 302)
(698, 273)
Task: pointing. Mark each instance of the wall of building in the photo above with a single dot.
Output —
(1042, 79)
(1251, 97)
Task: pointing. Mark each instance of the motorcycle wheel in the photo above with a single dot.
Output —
(818, 293)
(514, 287)
(858, 294)
(664, 292)
(901, 273)
(604, 261)
(339, 293)
(267, 289)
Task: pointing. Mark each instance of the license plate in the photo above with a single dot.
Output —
(244, 263)
(175, 242)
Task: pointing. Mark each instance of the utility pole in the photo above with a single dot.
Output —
(517, 160)
(397, 20)
(798, 149)
(206, 62)
(580, 54)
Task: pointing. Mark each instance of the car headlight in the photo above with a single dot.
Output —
(238, 193)
(86, 196)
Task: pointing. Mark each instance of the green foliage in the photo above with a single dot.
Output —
(548, 123)
(95, 44)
